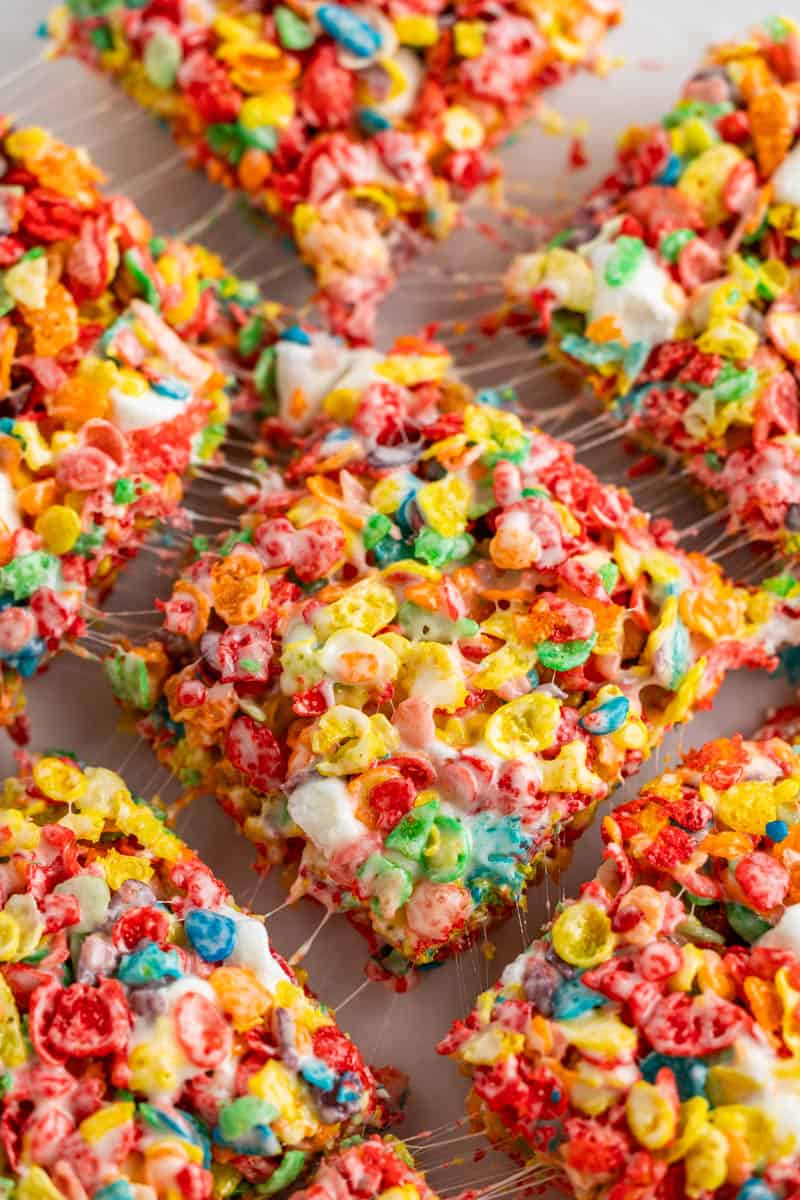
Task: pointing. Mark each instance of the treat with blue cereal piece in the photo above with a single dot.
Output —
(646, 1043)
(117, 350)
(154, 1044)
(433, 645)
(362, 129)
(672, 294)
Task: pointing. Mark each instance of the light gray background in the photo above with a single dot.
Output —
(71, 707)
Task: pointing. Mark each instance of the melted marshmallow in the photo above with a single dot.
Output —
(342, 646)
(9, 509)
(776, 1086)
(316, 370)
(252, 950)
(641, 307)
(514, 973)
(145, 1029)
(786, 934)
(140, 412)
(360, 369)
(401, 100)
(786, 180)
(781, 629)
(324, 810)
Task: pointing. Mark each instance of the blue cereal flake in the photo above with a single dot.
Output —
(295, 334)
(777, 831)
(607, 717)
(632, 401)
(504, 397)
(572, 999)
(318, 1074)
(336, 438)
(349, 30)
(212, 934)
(594, 354)
(671, 658)
(603, 354)
(672, 171)
(756, 1189)
(26, 660)
(498, 847)
(149, 964)
(690, 1073)
(175, 389)
(349, 1090)
(634, 358)
(790, 663)
(372, 121)
(179, 1122)
(120, 1189)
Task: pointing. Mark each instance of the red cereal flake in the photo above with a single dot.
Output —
(79, 1021)
(671, 846)
(202, 1031)
(763, 880)
(256, 752)
(139, 925)
(390, 801)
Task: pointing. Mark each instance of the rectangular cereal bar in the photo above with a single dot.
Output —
(360, 128)
(115, 347)
(153, 1044)
(674, 293)
(431, 646)
(645, 1044)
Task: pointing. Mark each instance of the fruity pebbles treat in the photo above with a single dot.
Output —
(154, 1045)
(372, 1169)
(112, 385)
(674, 295)
(646, 1046)
(433, 644)
(359, 127)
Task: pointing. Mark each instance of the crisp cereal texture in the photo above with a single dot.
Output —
(432, 645)
(646, 1044)
(674, 293)
(153, 1044)
(115, 353)
(360, 128)
(374, 1169)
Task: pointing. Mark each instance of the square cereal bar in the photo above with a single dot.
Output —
(153, 1043)
(674, 293)
(432, 644)
(115, 353)
(645, 1044)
